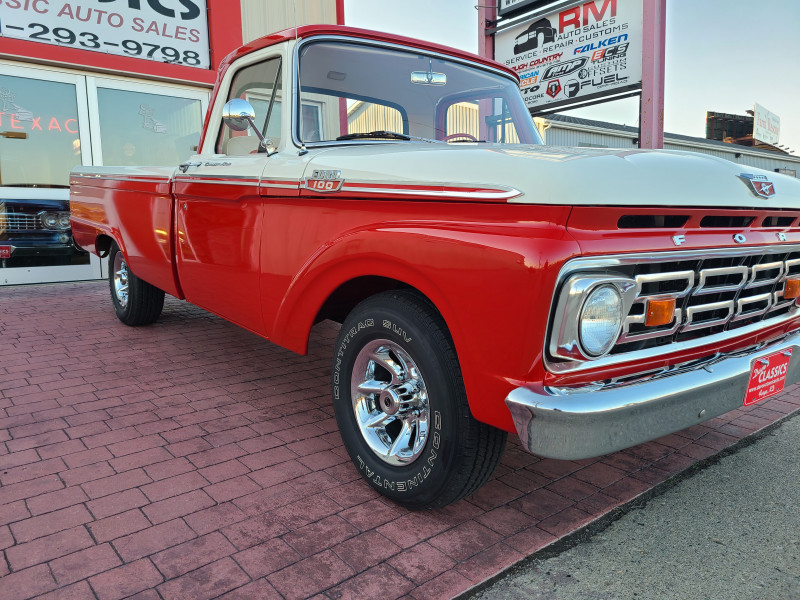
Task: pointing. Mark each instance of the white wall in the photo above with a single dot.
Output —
(262, 17)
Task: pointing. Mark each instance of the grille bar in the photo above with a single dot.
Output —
(21, 221)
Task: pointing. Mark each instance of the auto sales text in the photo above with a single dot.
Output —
(76, 12)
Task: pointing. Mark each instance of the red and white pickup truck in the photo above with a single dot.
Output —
(587, 300)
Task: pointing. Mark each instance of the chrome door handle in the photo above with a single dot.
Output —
(185, 166)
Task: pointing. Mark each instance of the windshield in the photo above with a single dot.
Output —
(354, 91)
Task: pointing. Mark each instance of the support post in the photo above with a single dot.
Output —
(651, 108)
(487, 13)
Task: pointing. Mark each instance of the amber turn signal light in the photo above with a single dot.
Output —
(792, 289)
(659, 312)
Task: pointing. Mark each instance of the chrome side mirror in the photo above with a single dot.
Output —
(239, 115)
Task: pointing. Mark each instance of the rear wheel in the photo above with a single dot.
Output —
(136, 302)
(402, 408)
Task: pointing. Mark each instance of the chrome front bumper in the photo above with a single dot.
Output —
(583, 424)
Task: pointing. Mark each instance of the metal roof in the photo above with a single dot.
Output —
(674, 137)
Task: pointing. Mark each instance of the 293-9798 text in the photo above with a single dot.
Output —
(85, 39)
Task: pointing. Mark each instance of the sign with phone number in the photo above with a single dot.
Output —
(168, 31)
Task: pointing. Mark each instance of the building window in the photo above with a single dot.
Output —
(39, 134)
(138, 128)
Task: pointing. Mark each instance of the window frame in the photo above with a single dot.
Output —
(230, 77)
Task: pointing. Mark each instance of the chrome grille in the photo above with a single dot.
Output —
(716, 294)
(21, 221)
(719, 294)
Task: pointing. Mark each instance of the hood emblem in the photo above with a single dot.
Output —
(759, 184)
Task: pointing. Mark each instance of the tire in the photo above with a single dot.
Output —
(401, 406)
(136, 302)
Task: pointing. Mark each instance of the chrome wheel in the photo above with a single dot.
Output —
(390, 402)
(121, 280)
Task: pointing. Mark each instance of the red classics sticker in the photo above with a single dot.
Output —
(6, 251)
(768, 376)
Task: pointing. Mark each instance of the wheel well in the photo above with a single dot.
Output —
(345, 298)
(103, 245)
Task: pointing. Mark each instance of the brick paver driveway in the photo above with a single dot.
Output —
(192, 459)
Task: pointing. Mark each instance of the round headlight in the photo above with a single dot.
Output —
(600, 320)
(63, 220)
(50, 220)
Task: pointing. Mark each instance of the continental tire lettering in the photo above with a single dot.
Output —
(419, 476)
(397, 330)
(366, 323)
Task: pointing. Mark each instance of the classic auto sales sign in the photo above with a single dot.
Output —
(170, 31)
(589, 50)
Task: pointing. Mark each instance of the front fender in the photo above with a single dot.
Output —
(492, 286)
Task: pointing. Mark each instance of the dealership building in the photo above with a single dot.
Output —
(127, 82)
(109, 82)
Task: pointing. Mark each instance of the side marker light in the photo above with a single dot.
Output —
(660, 312)
(792, 289)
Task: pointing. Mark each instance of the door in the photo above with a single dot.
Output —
(219, 207)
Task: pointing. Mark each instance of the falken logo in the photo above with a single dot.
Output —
(325, 181)
(759, 184)
(565, 68)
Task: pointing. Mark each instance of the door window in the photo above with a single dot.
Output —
(260, 85)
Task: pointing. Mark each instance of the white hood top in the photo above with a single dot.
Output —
(565, 176)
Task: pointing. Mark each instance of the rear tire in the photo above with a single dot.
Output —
(136, 302)
(401, 405)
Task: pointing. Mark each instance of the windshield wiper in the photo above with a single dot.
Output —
(392, 135)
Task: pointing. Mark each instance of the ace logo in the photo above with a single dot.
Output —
(554, 88)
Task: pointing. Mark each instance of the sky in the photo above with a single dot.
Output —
(721, 55)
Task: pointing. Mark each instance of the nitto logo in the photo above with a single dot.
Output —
(565, 68)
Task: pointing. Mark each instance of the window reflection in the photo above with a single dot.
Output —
(39, 140)
(39, 144)
(147, 129)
